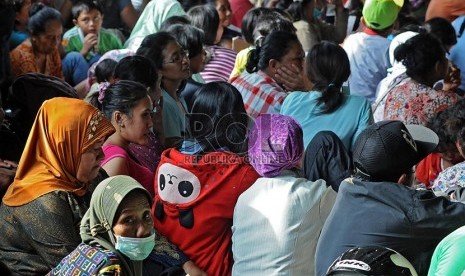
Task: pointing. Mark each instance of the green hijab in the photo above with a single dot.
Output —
(96, 225)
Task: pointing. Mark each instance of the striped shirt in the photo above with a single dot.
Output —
(261, 93)
(220, 65)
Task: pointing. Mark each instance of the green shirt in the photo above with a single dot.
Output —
(448, 258)
(73, 42)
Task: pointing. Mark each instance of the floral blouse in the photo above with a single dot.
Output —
(23, 61)
(415, 103)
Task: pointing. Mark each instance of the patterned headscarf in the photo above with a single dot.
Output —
(63, 130)
(96, 225)
(275, 144)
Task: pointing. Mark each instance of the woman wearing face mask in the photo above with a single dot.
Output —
(117, 231)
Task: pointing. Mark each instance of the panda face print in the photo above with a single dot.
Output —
(177, 185)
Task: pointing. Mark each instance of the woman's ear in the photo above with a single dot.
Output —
(273, 66)
(117, 118)
(459, 147)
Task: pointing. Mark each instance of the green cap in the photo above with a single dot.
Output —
(380, 14)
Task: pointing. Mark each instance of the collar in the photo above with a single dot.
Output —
(369, 31)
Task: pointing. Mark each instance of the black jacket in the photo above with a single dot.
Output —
(412, 222)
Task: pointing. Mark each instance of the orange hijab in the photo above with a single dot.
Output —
(63, 130)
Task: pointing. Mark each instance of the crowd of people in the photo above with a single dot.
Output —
(232, 137)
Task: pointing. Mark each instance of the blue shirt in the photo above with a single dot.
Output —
(351, 118)
(457, 53)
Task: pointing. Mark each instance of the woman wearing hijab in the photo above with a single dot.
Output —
(277, 220)
(42, 209)
(117, 231)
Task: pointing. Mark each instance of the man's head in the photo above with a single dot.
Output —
(388, 149)
(88, 16)
(380, 15)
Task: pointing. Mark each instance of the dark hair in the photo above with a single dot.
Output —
(137, 68)
(250, 20)
(18, 4)
(328, 68)
(296, 9)
(189, 37)
(455, 125)
(176, 19)
(438, 124)
(271, 22)
(153, 46)
(218, 118)
(275, 46)
(122, 96)
(104, 70)
(206, 18)
(419, 55)
(442, 30)
(188, 4)
(85, 5)
(39, 18)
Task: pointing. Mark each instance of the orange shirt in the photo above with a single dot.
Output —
(448, 9)
(23, 61)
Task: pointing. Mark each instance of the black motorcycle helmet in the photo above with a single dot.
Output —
(371, 260)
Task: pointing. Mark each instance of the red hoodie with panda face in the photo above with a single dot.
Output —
(194, 204)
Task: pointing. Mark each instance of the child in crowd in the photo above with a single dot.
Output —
(87, 37)
(368, 50)
(454, 176)
(446, 153)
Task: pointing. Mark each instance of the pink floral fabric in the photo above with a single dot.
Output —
(415, 103)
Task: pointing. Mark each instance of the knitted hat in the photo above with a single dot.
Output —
(389, 149)
(380, 14)
(275, 144)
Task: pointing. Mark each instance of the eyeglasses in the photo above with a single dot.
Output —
(178, 57)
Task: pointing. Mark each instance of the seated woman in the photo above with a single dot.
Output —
(220, 60)
(260, 91)
(118, 248)
(191, 39)
(141, 69)
(42, 209)
(197, 185)
(172, 62)
(325, 107)
(289, 226)
(414, 101)
(20, 33)
(129, 108)
(40, 53)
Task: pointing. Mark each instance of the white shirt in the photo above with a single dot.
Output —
(369, 61)
(276, 226)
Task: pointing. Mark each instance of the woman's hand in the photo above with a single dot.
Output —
(7, 173)
(192, 270)
(157, 119)
(292, 78)
(452, 80)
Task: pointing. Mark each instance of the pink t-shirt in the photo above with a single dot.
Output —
(135, 170)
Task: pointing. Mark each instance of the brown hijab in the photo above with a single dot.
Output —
(63, 130)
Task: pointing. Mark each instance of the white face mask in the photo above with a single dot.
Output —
(136, 249)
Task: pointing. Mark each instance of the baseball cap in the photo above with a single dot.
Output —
(388, 149)
(380, 14)
(371, 260)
